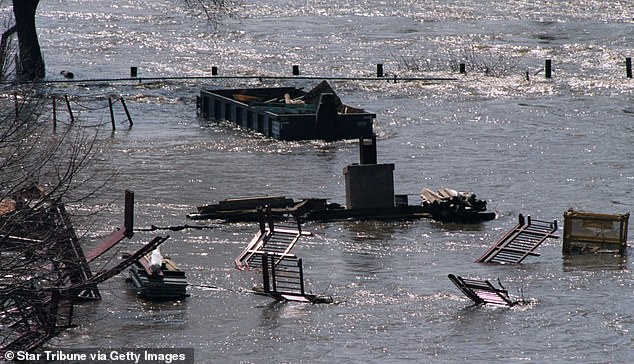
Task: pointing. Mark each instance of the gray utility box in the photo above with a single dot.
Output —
(369, 185)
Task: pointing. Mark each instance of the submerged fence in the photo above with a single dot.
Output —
(68, 102)
(297, 75)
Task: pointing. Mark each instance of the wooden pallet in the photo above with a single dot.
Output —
(520, 242)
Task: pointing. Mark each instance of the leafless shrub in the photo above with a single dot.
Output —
(213, 10)
(478, 58)
(39, 171)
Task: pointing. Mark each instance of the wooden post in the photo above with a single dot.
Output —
(548, 67)
(628, 67)
(125, 108)
(54, 114)
(273, 274)
(111, 114)
(261, 220)
(301, 275)
(463, 68)
(214, 71)
(379, 70)
(270, 216)
(295, 70)
(265, 273)
(133, 72)
(70, 111)
(128, 214)
(367, 150)
(16, 105)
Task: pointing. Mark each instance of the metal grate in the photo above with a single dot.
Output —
(520, 242)
(483, 291)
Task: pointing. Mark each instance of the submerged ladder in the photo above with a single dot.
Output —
(520, 242)
(276, 241)
(483, 292)
(284, 280)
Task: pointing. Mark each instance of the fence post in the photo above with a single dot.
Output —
(70, 111)
(548, 68)
(125, 108)
(379, 70)
(16, 105)
(128, 214)
(301, 274)
(111, 114)
(54, 115)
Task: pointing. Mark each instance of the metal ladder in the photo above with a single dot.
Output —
(520, 242)
(276, 241)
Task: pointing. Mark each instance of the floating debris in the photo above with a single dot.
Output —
(369, 196)
(520, 242)
(587, 232)
(157, 278)
(45, 270)
(483, 292)
(453, 206)
(284, 280)
(288, 113)
(271, 239)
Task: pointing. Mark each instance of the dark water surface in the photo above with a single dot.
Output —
(535, 147)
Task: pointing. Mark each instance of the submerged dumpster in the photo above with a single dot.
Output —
(288, 113)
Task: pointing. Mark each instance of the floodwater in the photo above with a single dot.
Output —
(536, 147)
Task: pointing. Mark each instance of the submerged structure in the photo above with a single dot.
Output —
(284, 281)
(282, 272)
(484, 292)
(520, 241)
(369, 189)
(288, 113)
(454, 206)
(587, 232)
(272, 239)
(44, 269)
(156, 277)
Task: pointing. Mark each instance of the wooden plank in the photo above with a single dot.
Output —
(247, 203)
(447, 193)
(113, 239)
(430, 195)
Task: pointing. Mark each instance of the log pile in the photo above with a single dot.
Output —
(450, 205)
